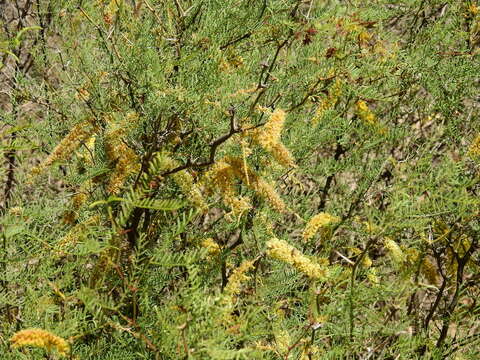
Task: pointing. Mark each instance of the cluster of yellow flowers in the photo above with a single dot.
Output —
(81, 197)
(232, 290)
(212, 247)
(320, 220)
(77, 201)
(366, 260)
(328, 102)
(244, 91)
(126, 165)
(269, 135)
(64, 150)
(365, 113)
(238, 276)
(186, 183)
(474, 149)
(227, 172)
(41, 339)
(409, 257)
(257, 183)
(122, 157)
(281, 250)
(429, 270)
(111, 10)
(223, 175)
(72, 236)
(396, 253)
(282, 341)
(372, 276)
(85, 155)
(230, 63)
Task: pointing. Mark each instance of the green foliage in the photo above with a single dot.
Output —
(148, 159)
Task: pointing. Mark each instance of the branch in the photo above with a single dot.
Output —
(213, 147)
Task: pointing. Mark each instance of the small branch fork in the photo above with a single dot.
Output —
(234, 129)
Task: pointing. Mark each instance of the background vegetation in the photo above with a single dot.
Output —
(245, 179)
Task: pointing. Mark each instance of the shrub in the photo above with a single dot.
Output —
(246, 179)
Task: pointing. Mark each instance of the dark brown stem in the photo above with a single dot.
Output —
(352, 285)
(339, 151)
(310, 92)
(462, 262)
(10, 159)
(435, 305)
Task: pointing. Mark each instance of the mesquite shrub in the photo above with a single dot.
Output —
(244, 179)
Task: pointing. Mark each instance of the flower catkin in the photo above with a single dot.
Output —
(221, 177)
(430, 271)
(365, 113)
(212, 247)
(238, 276)
(41, 339)
(76, 233)
(318, 221)
(281, 250)
(64, 150)
(269, 135)
(256, 183)
(122, 158)
(282, 341)
(328, 102)
(396, 253)
(474, 149)
(186, 183)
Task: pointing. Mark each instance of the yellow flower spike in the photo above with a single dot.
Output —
(245, 153)
(244, 91)
(267, 191)
(185, 182)
(257, 184)
(41, 339)
(366, 261)
(269, 135)
(281, 250)
(126, 165)
(365, 113)
(238, 276)
(222, 178)
(122, 158)
(372, 276)
(430, 271)
(474, 149)
(318, 221)
(282, 341)
(473, 9)
(271, 132)
(71, 238)
(212, 247)
(85, 154)
(329, 101)
(395, 251)
(64, 150)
